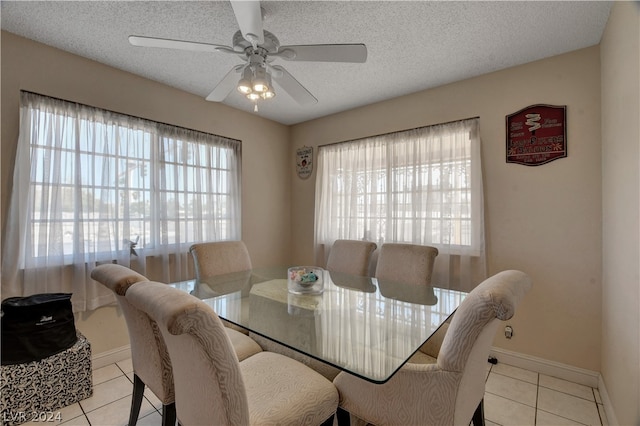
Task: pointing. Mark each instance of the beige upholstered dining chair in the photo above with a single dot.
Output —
(449, 389)
(149, 356)
(218, 258)
(403, 265)
(350, 257)
(151, 365)
(407, 263)
(212, 387)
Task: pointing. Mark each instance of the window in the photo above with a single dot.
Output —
(420, 186)
(95, 186)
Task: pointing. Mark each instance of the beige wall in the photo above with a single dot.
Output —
(620, 61)
(543, 220)
(265, 146)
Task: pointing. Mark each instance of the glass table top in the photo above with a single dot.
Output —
(361, 325)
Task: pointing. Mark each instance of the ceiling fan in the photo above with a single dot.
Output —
(258, 48)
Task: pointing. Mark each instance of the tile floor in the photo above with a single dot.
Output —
(514, 397)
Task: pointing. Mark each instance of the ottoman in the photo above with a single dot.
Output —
(37, 389)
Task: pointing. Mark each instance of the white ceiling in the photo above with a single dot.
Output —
(412, 45)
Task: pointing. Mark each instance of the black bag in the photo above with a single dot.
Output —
(36, 327)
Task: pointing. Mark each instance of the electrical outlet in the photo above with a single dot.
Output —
(508, 332)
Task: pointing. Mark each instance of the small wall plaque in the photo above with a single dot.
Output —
(304, 161)
(537, 135)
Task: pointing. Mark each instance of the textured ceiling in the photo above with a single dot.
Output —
(412, 45)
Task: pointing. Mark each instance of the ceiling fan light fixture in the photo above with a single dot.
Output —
(260, 83)
(260, 87)
(244, 85)
(253, 96)
(269, 93)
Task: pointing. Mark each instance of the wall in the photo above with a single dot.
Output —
(543, 220)
(620, 61)
(265, 147)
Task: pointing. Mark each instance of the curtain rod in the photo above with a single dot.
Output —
(128, 115)
(398, 131)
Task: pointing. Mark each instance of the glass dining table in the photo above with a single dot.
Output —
(361, 325)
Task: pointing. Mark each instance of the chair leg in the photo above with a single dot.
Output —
(169, 414)
(478, 415)
(136, 400)
(344, 418)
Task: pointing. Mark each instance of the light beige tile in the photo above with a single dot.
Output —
(125, 365)
(514, 389)
(504, 411)
(490, 423)
(35, 422)
(78, 421)
(515, 372)
(70, 412)
(103, 374)
(571, 388)
(153, 419)
(547, 419)
(568, 406)
(107, 392)
(117, 412)
(58, 418)
(153, 399)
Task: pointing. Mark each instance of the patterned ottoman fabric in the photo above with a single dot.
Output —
(36, 390)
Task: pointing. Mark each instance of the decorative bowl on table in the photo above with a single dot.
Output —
(305, 280)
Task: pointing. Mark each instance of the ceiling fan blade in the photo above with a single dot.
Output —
(249, 17)
(226, 85)
(292, 86)
(324, 53)
(166, 43)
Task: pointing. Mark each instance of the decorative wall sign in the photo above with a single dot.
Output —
(304, 161)
(537, 135)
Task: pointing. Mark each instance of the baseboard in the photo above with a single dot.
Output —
(109, 357)
(550, 368)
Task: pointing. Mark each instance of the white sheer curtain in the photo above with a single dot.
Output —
(420, 186)
(92, 186)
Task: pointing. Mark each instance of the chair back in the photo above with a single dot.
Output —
(406, 263)
(220, 257)
(149, 354)
(208, 380)
(350, 257)
(467, 343)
